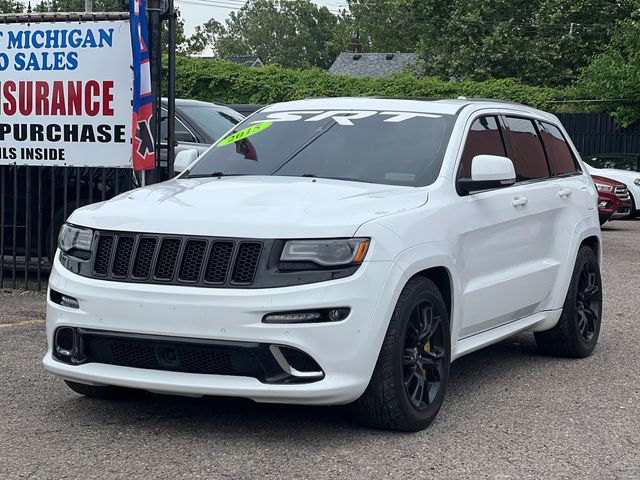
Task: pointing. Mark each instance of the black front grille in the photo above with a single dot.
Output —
(103, 256)
(193, 260)
(144, 258)
(246, 263)
(218, 264)
(172, 356)
(80, 346)
(149, 258)
(167, 258)
(124, 249)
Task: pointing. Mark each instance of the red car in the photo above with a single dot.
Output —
(614, 200)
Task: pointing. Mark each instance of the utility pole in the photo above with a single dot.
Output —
(88, 6)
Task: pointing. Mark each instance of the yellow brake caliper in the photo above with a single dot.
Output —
(427, 348)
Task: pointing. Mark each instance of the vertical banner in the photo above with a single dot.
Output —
(144, 157)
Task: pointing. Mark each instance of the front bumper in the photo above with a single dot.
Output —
(346, 351)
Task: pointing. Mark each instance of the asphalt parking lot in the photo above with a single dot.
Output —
(509, 413)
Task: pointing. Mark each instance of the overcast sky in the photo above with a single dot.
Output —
(196, 12)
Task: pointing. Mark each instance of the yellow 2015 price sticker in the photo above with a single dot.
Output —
(244, 133)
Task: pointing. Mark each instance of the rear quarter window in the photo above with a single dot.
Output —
(561, 160)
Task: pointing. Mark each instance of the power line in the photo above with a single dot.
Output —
(233, 5)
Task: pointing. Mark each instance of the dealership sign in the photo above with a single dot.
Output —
(65, 94)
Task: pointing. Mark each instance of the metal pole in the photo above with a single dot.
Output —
(155, 44)
(171, 97)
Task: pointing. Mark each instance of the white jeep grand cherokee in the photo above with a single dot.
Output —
(331, 251)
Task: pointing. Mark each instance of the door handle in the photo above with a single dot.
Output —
(519, 201)
(565, 193)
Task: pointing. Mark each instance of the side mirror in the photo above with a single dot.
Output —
(184, 158)
(487, 172)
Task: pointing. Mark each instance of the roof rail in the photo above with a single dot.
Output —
(492, 100)
(468, 100)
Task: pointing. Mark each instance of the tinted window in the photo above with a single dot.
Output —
(182, 133)
(527, 153)
(379, 147)
(215, 122)
(558, 152)
(484, 138)
(626, 162)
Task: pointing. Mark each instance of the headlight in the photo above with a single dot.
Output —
(326, 252)
(75, 238)
(604, 188)
(637, 182)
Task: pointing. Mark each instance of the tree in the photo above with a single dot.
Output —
(78, 6)
(543, 42)
(8, 6)
(387, 25)
(615, 75)
(181, 39)
(291, 33)
(206, 35)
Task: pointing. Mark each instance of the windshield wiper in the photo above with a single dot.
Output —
(217, 174)
(346, 179)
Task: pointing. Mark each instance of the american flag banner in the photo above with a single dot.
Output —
(143, 145)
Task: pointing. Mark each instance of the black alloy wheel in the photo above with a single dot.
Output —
(410, 379)
(424, 356)
(588, 302)
(576, 333)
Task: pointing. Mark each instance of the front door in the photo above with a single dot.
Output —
(505, 236)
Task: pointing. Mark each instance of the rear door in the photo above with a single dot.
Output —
(571, 192)
(506, 235)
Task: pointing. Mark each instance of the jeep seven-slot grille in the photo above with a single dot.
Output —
(148, 258)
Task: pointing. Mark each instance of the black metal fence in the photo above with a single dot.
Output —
(594, 133)
(34, 202)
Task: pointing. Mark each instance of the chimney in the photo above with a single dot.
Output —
(354, 45)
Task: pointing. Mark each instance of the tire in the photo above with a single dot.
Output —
(393, 399)
(102, 392)
(576, 333)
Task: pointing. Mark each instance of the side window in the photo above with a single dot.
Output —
(560, 157)
(182, 133)
(527, 152)
(484, 138)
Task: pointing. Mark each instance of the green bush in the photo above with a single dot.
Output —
(231, 83)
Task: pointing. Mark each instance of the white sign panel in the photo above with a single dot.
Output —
(65, 94)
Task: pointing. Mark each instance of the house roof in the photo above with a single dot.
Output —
(372, 64)
(246, 60)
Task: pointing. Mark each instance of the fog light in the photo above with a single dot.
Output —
(294, 317)
(70, 302)
(336, 314)
(64, 300)
(603, 204)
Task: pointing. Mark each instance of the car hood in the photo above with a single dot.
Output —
(625, 176)
(250, 206)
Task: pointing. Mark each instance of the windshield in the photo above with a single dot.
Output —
(630, 162)
(214, 121)
(395, 148)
